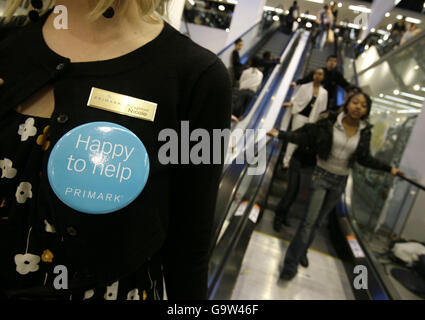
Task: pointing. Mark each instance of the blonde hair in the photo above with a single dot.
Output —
(147, 8)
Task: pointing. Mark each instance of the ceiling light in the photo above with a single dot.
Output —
(396, 92)
(413, 20)
(416, 87)
(267, 8)
(372, 30)
(308, 25)
(359, 9)
(353, 25)
(316, 1)
(413, 96)
(399, 17)
(389, 27)
(387, 14)
(276, 18)
(221, 7)
(340, 4)
(416, 67)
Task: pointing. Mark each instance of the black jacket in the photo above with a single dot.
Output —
(237, 65)
(319, 137)
(174, 213)
(332, 79)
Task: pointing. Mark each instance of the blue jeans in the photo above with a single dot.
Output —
(327, 189)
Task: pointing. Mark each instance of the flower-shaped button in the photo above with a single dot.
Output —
(47, 256)
(48, 227)
(111, 292)
(3, 202)
(133, 295)
(23, 192)
(43, 139)
(26, 263)
(88, 294)
(27, 129)
(6, 169)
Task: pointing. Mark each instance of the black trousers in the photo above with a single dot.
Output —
(295, 174)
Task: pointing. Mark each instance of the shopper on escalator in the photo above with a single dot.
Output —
(339, 140)
(268, 63)
(303, 161)
(308, 103)
(333, 78)
(236, 65)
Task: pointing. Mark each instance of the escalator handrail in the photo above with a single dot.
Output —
(240, 37)
(258, 104)
(228, 176)
(387, 56)
(412, 181)
(264, 97)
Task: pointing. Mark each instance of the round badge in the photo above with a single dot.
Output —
(98, 168)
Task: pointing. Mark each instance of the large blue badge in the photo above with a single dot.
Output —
(98, 167)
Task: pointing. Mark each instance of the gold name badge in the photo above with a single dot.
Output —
(119, 103)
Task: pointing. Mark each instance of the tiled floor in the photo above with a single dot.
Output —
(324, 279)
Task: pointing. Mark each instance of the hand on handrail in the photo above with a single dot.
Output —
(273, 133)
(287, 104)
(397, 172)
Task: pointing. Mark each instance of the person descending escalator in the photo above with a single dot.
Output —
(236, 65)
(333, 78)
(308, 103)
(339, 139)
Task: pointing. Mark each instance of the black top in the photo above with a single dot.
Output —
(332, 79)
(237, 65)
(399, 27)
(319, 138)
(306, 111)
(268, 66)
(174, 213)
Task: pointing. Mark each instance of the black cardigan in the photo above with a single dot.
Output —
(319, 137)
(174, 213)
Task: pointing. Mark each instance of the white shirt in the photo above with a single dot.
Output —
(303, 96)
(343, 148)
(251, 79)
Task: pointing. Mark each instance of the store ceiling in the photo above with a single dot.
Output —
(345, 14)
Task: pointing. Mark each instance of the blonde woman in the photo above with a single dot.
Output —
(126, 48)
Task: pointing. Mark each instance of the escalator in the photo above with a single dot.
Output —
(248, 217)
(247, 254)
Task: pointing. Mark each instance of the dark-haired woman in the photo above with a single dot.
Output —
(339, 140)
